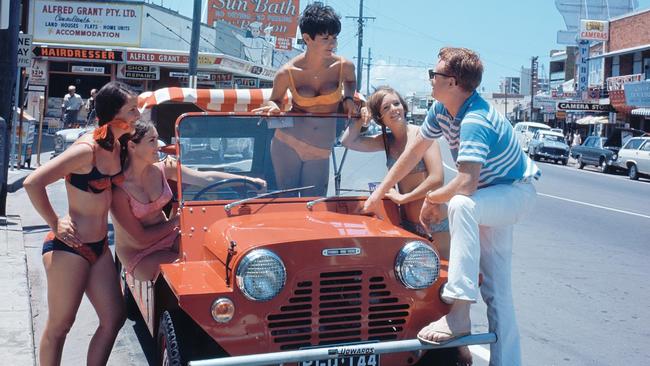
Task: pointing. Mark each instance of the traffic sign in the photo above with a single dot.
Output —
(587, 107)
(24, 50)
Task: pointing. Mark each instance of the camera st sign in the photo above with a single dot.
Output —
(585, 107)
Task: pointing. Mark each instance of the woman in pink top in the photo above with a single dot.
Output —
(145, 237)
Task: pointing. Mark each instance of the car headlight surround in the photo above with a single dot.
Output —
(417, 265)
(261, 275)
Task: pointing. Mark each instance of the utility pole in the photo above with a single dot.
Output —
(194, 44)
(361, 22)
(533, 82)
(368, 63)
(8, 61)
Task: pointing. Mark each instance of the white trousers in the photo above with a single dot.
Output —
(481, 229)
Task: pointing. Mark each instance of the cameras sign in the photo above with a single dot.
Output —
(594, 30)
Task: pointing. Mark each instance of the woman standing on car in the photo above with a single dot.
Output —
(75, 253)
(145, 237)
(320, 82)
(387, 107)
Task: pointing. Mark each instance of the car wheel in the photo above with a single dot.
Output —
(604, 168)
(633, 172)
(581, 164)
(169, 349)
(565, 161)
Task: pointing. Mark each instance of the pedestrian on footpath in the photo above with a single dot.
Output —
(72, 103)
(90, 107)
(490, 193)
(75, 253)
(577, 139)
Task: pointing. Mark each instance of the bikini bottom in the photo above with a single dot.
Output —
(304, 150)
(89, 251)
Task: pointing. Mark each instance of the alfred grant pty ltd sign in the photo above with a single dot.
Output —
(587, 107)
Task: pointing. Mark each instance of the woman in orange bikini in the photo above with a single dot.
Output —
(75, 252)
(320, 82)
(145, 237)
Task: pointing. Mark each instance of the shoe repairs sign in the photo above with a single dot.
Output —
(587, 107)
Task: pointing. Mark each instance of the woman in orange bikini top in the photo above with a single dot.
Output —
(319, 82)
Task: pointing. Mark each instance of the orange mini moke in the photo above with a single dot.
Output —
(262, 271)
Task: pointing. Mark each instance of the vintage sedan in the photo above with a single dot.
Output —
(64, 138)
(634, 157)
(549, 145)
(603, 152)
(279, 277)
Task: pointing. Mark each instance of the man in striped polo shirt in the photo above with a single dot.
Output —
(490, 193)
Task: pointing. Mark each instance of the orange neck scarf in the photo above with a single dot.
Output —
(101, 132)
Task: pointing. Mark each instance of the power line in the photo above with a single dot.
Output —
(169, 29)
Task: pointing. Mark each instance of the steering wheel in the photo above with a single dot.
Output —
(243, 181)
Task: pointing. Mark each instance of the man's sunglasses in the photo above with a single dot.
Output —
(432, 74)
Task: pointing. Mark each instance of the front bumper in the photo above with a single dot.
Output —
(337, 352)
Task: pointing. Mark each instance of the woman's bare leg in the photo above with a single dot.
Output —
(315, 173)
(148, 267)
(67, 274)
(103, 291)
(287, 165)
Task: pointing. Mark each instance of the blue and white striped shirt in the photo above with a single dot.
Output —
(479, 134)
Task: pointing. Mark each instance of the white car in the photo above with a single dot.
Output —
(525, 131)
(634, 157)
(64, 138)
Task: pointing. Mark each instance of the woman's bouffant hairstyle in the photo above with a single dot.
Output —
(108, 102)
(318, 18)
(141, 129)
(464, 65)
(377, 98)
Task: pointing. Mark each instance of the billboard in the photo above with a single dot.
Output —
(594, 30)
(282, 15)
(79, 22)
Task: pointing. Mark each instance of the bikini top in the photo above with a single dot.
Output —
(390, 161)
(94, 181)
(141, 210)
(323, 99)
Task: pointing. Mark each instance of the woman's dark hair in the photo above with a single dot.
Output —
(374, 106)
(141, 129)
(318, 18)
(108, 102)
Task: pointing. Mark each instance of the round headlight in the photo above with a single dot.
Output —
(261, 275)
(417, 265)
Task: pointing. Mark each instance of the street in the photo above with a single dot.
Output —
(580, 264)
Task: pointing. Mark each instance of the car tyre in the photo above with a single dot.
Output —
(633, 172)
(565, 161)
(602, 165)
(581, 164)
(169, 347)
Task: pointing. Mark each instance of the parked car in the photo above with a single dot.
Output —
(634, 157)
(266, 272)
(64, 138)
(602, 152)
(549, 145)
(525, 131)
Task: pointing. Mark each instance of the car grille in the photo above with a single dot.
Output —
(342, 307)
(58, 143)
(554, 151)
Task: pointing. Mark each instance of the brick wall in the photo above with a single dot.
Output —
(632, 31)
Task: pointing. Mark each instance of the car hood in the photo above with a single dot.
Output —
(73, 133)
(292, 227)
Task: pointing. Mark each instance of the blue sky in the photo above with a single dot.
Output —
(406, 35)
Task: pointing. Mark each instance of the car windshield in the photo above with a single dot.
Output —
(244, 146)
(533, 129)
(553, 138)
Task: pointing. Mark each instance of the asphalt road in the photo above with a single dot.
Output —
(580, 270)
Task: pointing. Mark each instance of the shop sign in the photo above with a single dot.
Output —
(545, 104)
(159, 58)
(245, 82)
(588, 107)
(617, 82)
(138, 72)
(24, 50)
(87, 22)
(220, 78)
(583, 66)
(266, 84)
(88, 69)
(595, 30)
(281, 15)
(203, 76)
(78, 54)
(638, 94)
(38, 72)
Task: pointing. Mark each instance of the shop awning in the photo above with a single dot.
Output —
(641, 112)
(593, 120)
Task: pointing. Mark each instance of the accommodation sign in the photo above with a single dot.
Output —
(587, 107)
(86, 22)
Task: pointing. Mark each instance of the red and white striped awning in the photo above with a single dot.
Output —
(217, 100)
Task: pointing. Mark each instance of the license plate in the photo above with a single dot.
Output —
(363, 360)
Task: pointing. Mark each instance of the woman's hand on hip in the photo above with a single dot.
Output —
(66, 231)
